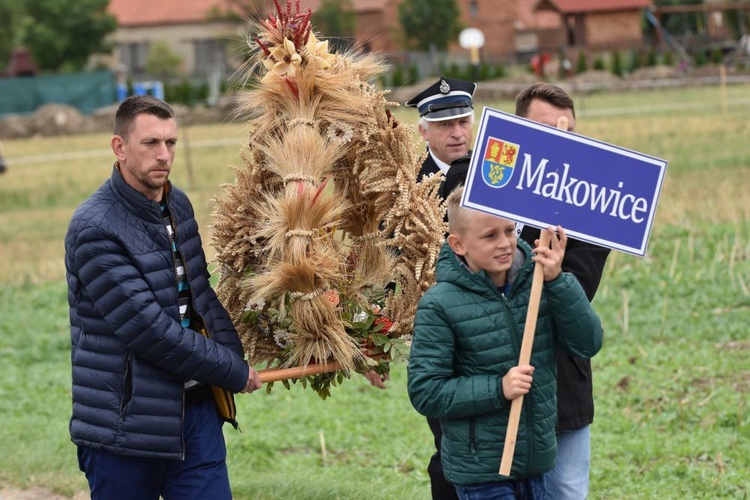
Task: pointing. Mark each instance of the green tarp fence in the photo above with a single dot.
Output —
(85, 91)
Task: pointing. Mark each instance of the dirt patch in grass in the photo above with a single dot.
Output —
(36, 493)
(740, 345)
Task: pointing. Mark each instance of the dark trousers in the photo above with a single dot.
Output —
(440, 487)
(531, 488)
(202, 475)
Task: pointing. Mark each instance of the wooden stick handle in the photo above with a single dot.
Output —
(532, 313)
(276, 374)
(528, 341)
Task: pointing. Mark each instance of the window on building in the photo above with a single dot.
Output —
(474, 8)
(210, 56)
(133, 55)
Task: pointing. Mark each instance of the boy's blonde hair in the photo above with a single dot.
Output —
(457, 215)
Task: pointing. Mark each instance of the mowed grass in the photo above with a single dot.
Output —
(671, 383)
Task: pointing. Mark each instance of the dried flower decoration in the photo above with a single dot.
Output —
(326, 240)
(319, 50)
(283, 60)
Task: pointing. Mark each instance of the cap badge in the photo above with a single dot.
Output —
(444, 87)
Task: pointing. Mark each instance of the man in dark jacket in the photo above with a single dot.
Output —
(446, 121)
(155, 357)
(569, 480)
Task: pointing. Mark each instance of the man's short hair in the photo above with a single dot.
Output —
(136, 105)
(551, 94)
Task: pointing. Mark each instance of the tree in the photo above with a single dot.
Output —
(583, 63)
(334, 18)
(429, 22)
(679, 24)
(599, 63)
(161, 61)
(63, 34)
(617, 68)
(10, 20)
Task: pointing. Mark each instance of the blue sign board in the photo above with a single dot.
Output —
(539, 175)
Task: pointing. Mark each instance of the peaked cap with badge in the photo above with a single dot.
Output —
(446, 99)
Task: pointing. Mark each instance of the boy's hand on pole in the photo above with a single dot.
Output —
(517, 381)
(551, 257)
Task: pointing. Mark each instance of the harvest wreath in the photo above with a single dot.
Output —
(326, 240)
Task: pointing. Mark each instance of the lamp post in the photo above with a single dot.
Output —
(473, 40)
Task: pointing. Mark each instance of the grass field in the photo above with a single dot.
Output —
(671, 383)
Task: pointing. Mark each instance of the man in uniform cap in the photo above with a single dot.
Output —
(446, 112)
(446, 122)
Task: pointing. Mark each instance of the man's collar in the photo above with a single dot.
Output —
(441, 164)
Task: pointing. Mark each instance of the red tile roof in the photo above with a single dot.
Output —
(364, 5)
(581, 6)
(357, 5)
(156, 12)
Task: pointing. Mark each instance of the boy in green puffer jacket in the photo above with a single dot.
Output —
(463, 367)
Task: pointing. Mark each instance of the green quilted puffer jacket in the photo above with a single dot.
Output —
(467, 335)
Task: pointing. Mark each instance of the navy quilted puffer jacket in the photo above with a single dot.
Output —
(130, 355)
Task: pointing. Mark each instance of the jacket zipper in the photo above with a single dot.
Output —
(473, 439)
(194, 311)
(173, 241)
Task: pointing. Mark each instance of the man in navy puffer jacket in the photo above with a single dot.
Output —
(155, 357)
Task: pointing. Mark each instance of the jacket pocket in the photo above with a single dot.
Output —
(127, 386)
(473, 439)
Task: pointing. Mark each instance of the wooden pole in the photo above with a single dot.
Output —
(188, 157)
(723, 88)
(276, 374)
(524, 359)
(509, 449)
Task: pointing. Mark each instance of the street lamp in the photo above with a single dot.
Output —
(472, 39)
